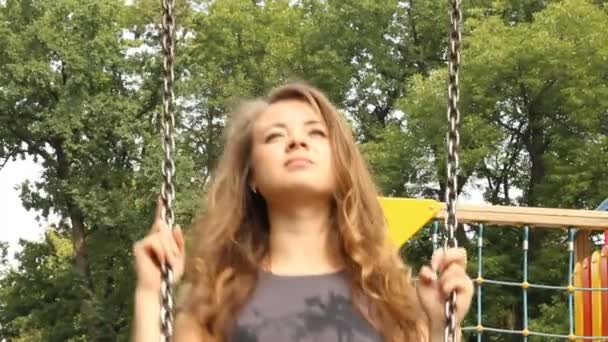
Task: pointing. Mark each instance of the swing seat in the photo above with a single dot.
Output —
(406, 216)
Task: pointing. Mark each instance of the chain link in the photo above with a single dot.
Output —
(453, 142)
(168, 165)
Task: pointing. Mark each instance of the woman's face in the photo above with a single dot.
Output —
(291, 153)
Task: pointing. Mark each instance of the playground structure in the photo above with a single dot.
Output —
(587, 286)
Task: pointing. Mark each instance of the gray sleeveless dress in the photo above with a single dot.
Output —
(301, 309)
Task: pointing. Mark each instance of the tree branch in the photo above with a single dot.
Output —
(33, 147)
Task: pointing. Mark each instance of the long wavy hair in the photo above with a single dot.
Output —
(232, 232)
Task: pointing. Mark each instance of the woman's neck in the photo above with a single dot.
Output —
(302, 241)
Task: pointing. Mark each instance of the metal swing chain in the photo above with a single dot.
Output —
(168, 166)
(453, 142)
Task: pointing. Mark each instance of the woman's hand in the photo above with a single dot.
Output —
(160, 246)
(434, 290)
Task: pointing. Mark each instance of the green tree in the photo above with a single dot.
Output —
(38, 290)
(75, 98)
(533, 119)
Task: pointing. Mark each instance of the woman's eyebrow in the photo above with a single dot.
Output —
(276, 124)
(312, 122)
(284, 126)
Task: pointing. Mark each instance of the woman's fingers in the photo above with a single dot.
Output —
(179, 238)
(455, 279)
(451, 265)
(168, 242)
(172, 240)
(153, 247)
(447, 274)
(161, 246)
(443, 258)
(427, 275)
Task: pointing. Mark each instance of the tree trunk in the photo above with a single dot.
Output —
(536, 147)
(81, 261)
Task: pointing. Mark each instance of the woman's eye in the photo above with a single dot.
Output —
(272, 137)
(318, 132)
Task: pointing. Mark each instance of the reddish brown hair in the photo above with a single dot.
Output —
(231, 235)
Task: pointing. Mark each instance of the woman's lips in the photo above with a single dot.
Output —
(298, 161)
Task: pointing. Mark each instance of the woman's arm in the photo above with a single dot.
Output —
(147, 320)
(146, 324)
(160, 246)
(437, 334)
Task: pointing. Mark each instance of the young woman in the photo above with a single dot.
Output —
(292, 244)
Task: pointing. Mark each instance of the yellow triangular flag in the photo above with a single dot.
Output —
(406, 216)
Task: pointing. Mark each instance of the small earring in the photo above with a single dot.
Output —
(254, 190)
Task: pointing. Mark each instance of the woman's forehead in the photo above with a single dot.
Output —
(291, 111)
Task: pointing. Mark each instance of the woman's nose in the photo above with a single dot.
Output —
(297, 141)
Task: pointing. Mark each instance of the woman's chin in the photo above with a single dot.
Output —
(296, 190)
